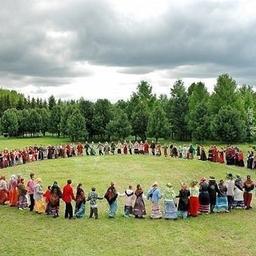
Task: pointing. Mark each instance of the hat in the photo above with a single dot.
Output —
(211, 178)
(38, 180)
(155, 184)
(169, 185)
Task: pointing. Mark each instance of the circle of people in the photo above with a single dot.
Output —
(203, 197)
(231, 155)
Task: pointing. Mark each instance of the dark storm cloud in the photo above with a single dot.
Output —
(197, 39)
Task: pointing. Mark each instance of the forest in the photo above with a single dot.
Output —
(227, 114)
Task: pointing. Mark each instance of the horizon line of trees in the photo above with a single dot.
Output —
(226, 115)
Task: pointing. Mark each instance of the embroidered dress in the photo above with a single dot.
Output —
(170, 209)
(154, 195)
(194, 201)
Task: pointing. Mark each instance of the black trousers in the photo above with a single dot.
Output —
(69, 211)
(93, 211)
(32, 202)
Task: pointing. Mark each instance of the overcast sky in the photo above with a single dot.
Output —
(104, 48)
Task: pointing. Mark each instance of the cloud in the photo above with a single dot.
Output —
(54, 43)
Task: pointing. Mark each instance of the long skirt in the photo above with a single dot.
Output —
(194, 206)
(22, 202)
(39, 206)
(238, 199)
(112, 209)
(3, 196)
(139, 208)
(170, 209)
(13, 197)
(204, 202)
(53, 210)
(155, 212)
(80, 211)
(221, 204)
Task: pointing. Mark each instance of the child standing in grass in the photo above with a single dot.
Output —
(93, 197)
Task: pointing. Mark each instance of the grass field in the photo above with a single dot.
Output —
(25, 233)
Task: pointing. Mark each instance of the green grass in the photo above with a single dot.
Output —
(25, 233)
(20, 143)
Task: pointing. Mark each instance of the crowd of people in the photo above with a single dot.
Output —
(203, 197)
(230, 155)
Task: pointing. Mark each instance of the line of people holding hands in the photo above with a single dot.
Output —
(203, 197)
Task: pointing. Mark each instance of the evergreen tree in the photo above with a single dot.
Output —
(119, 127)
(139, 121)
(76, 126)
(228, 125)
(55, 120)
(179, 111)
(35, 122)
(158, 126)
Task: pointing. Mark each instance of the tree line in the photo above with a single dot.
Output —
(227, 114)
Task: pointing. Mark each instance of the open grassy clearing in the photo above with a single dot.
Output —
(215, 234)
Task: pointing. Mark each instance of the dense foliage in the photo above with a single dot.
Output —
(227, 114)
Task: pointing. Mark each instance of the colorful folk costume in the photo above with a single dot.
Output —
(22, 192)
(80, 202)
(170, 209)
(13, 191)
(203, 156)
(221, 200)
(139, 209)
(54, 202)
(204, 198)
(3, 190)
(47, 195)
(212, 189)
(30, 191)
(248, 189)
(183, 201)
(194, 200)
(129, 199)
(230, 184)
(38, 196)
(92, 198)
(238, 193)
(154, 195)
(67, 197)
(111, 196)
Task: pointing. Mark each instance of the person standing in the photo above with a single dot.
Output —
(230, 184)
(92, 198)
(111, 196)
(204, 197)
(154, 195)
(80, 202)
(67, 197)
(183, 201)
(153, 148)
(22, 202)
(129, 198)
(31, 190)
(170, 209)
(38, 196)
(248, 188)
(139, 209)
(3, 190)
(193, 200)
(212, 189)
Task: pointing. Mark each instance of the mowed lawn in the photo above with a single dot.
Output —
(25, 233)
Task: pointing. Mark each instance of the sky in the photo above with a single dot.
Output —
(104, 48)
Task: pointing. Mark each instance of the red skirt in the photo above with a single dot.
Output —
(3, 196)
(13, 197)
(193, 206)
